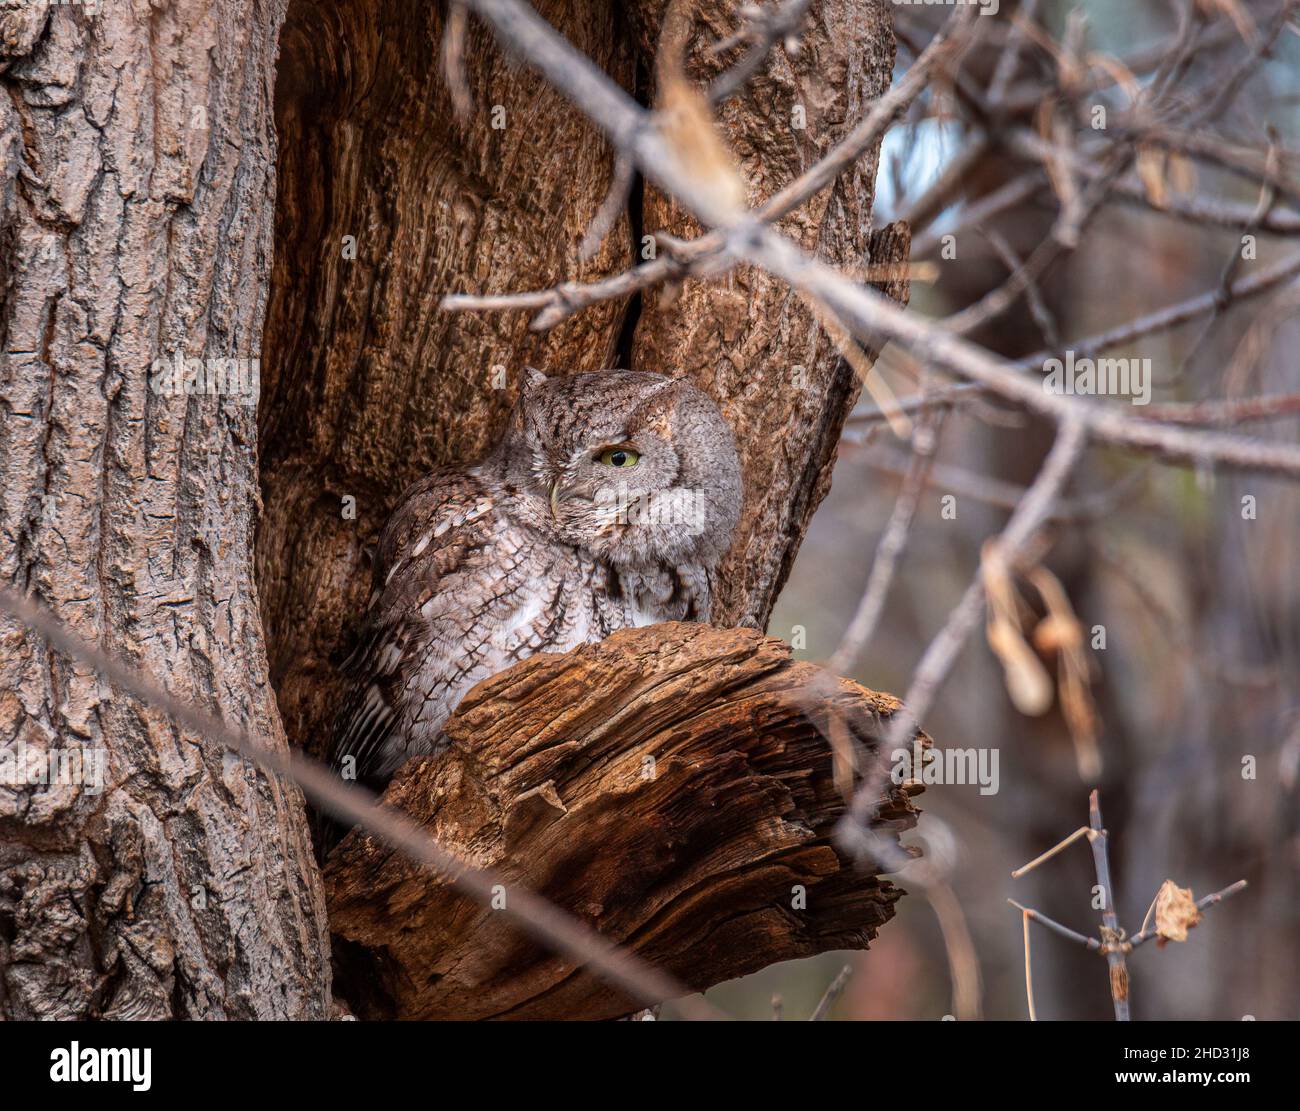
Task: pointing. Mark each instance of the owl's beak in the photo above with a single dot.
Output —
(555, 500)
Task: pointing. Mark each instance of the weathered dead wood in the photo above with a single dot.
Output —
(664, 785)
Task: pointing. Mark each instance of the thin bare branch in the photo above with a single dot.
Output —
(563, 301)
(942, 653)
(1056, 927)
(611, 208)
(1029, 973)
(1113, 943)
(453, 60)
(890, 548)
(833, 992)
(1082, 831)
(763, 29)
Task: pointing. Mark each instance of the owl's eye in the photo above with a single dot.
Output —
(619, 457)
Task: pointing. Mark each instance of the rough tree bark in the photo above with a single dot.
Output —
(139, 174)
(137, 156)
(748, 340)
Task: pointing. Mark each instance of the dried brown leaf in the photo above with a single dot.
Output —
(1061, 632)
(1151, 164)
(1176, 911)
(1028, 684)
(1182, 174)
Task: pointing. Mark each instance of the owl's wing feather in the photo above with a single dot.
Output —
(441, 522)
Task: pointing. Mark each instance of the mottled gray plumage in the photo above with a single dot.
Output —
(608, 502)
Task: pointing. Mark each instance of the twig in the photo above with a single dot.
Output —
(1029, 973)
(453, 60)
(1082, 831)
(1223, 294)
(1007, 495)
(561, 302)
(1247, 67)
(942, 653)
(1010, 57)
(1064, 237)
(614, 204)
(863, 623)
(1014, 193)
(1193, 209)
(922, 211)
(1113, 943)
(833, 992)
(1262, 280)
(1033, 292)
(945, 398)
(869, 315)
(963, 967)
(1056, 927)
(866, 313)
(764, 29)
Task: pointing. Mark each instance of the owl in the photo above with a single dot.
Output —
(608, 502)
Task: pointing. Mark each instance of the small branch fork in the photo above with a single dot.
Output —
(763, 29)
(1114, 943)
(700, 256)
(1030, 515)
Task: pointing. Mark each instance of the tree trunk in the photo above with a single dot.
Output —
(136, 223)
(139, 177)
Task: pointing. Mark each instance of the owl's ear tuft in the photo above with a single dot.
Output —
(533, 378)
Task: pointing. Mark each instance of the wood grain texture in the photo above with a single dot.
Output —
(665, 786)
(136, 193)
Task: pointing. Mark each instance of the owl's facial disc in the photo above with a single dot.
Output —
(620, 497)
(627, 465)
(594, 473)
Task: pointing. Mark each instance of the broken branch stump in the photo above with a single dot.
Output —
(669, 786)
